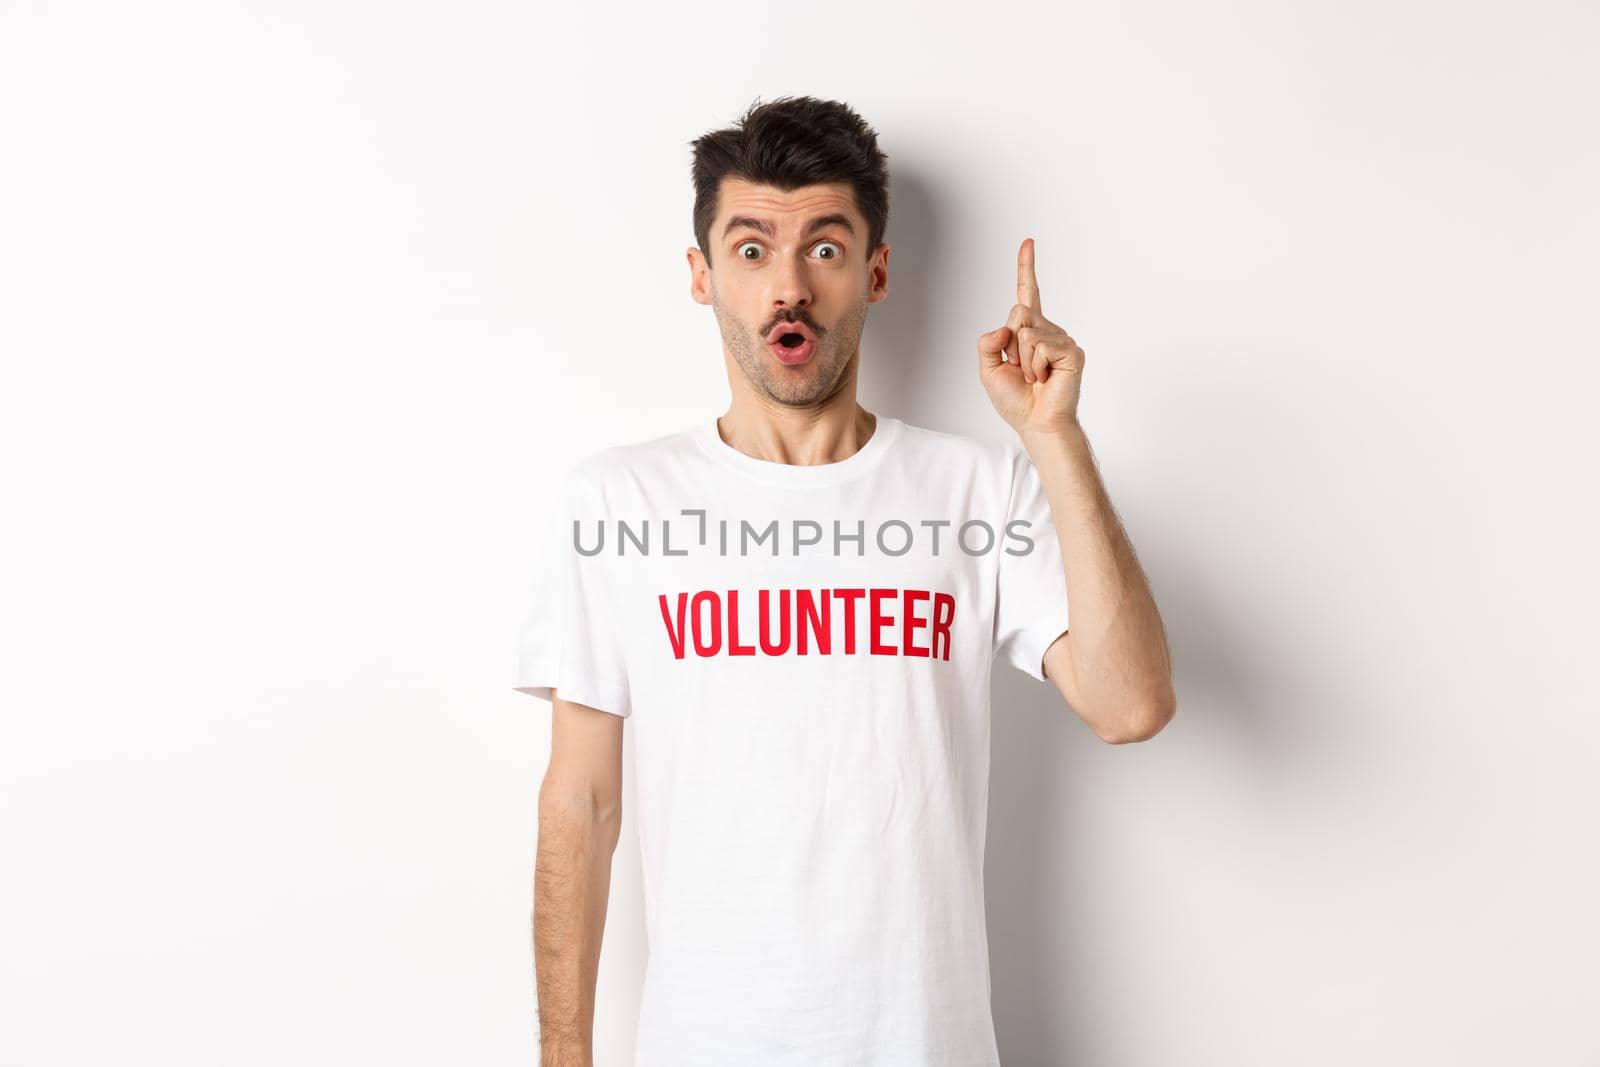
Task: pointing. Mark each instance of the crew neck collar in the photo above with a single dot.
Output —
(798, 475)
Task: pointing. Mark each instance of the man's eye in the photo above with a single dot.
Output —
(740, 250)
(838, 251)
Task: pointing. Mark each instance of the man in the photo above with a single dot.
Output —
(797, 605)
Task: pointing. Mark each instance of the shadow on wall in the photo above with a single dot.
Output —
(907, 357)
(1258, 746)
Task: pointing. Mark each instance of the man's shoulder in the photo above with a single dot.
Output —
(629, 458)
(943, 446)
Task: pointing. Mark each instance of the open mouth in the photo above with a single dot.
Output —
(792, 346)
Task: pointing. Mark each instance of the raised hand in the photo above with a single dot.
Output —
(1030, 367)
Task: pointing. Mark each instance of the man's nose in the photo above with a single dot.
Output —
(791, 289)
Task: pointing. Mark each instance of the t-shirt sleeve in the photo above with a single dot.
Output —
(568, 643)
(1031, 601)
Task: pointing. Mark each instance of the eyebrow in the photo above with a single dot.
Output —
(821, 222)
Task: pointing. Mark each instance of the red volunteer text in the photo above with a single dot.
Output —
(822, 622)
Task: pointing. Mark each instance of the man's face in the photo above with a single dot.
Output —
(790, 262)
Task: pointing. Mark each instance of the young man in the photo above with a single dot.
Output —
(797, 606)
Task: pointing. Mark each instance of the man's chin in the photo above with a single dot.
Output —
(800, 390)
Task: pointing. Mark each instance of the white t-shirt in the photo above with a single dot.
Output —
(803, 655)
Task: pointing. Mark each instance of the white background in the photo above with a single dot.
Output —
(303, 307)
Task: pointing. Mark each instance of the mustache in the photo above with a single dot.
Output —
(801, 318)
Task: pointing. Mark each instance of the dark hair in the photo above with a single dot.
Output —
(788, 143)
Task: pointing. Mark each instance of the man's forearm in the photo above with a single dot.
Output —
(1119, 650)
(572, 883)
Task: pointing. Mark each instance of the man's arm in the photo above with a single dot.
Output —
(580, 819)
(1112, 665)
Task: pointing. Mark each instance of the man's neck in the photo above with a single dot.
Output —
(798, 436)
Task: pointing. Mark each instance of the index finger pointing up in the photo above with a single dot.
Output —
(1027, 284)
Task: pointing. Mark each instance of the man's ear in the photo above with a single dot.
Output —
(699, 276)
(880, 275)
